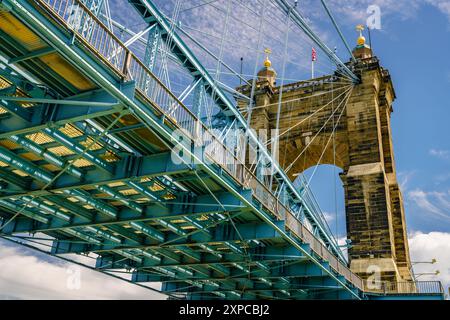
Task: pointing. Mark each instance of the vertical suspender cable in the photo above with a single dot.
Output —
(258, 54)
(280, 93)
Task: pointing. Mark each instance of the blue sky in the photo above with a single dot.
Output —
(413, 43)
(415, 46)
(415, 50)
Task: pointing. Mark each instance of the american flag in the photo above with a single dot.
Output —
(314, 55)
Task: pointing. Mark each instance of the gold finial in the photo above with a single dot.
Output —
(361, 40)
(267, 62)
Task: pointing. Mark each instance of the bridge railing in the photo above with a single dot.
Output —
(74, 15)
(317, 246)
(404, 288)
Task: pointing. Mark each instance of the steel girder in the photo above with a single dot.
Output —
(272, 275)
(221, 234)
(40, 116)
(152, 15)
(268, 254)
(192, 207)
(94, 70)
(302, 286)
(130, 168)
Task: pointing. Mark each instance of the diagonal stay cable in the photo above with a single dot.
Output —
(198, 5)
(345, 85)
(230, 219)
(280, 93)
(329, 139)
(346, 89)
(315, 136)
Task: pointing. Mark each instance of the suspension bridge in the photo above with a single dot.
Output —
(107, 163)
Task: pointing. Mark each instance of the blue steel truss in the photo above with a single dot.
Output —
(85, 160)
(151, 14)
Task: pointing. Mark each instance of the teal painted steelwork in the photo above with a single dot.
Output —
(418, 297)
(34, 54)
(16, 208)
(50, 157)
(142, 167)
(151, 14)
(10, 158)
(59, 102)
(16, 109)
(151, 51)
(115, 211)
(218, 177)
(152, 213)
(85, 197)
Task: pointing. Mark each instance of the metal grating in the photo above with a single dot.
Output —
(39, 138)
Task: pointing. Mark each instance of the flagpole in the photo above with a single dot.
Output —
(312, 69)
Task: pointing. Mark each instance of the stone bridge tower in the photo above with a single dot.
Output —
(361, 147)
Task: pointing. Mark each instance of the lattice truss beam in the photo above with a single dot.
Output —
(86, 167)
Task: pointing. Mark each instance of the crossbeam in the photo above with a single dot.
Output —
(268, 254)
(294, 284)
(151, 14)
(221, 234)
(32, 55)
(192, 207)
(131, 168)
(59, 101)
(300, 270)
(57, 38)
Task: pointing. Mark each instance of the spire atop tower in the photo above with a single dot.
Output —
(267, 73)
(361, 39)
(267, 62)
(362, 50)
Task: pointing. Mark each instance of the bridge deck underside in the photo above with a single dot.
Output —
(96, 178)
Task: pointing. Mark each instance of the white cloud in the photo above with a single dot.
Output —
(25, 276)
(442, 5)
(436, 203)
(439, 153)
(329, 217)
(205, 21)
(30, 277)
(404, 9)
(427, 246)
(342, 241)
(356, 11)
(404, 179)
